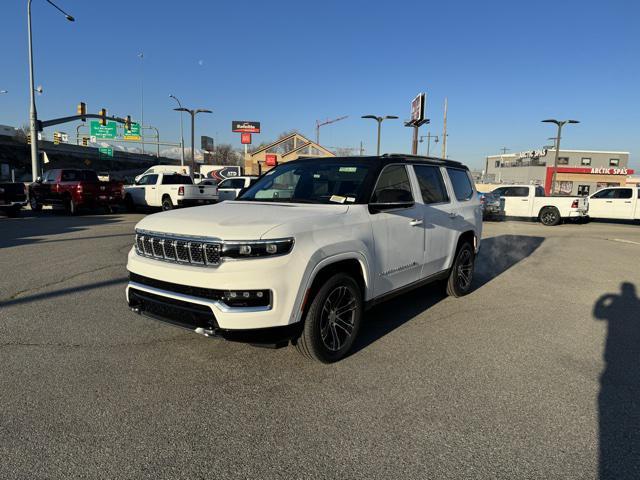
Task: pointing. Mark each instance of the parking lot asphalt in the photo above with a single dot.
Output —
(508, 382)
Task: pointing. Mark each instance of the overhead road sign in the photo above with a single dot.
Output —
(133, 133)
(108, 131)
(108, 151)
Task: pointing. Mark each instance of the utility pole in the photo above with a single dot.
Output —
(181, 132)
(504, 150)
(361, 148)
(326, 122)
(428, 136)
(444, 133)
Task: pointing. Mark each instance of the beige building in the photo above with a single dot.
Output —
(284, 150)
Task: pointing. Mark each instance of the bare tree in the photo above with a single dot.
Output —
(224, 154)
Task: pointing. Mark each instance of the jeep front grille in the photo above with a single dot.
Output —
(178, 250)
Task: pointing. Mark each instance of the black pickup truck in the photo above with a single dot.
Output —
(13, 196)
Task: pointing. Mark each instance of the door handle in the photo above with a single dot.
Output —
(627, 201)
(453, 215)
(415, 222)
(609, 201)
(524, 200)
(153, 188)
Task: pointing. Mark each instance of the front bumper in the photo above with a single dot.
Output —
(13, 204)
(201, 318)
(193, 285)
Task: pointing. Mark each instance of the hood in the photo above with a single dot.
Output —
(236, 220)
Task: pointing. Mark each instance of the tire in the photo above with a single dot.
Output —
(71, 206)
(461, 275)
(167, 204)
(34, 204)
(327, 337)
(549, 216)
(128, 204)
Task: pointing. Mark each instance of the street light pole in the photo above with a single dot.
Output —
(181, 131)
(33, 114)
(193, 114)
(379, 120)
(559, 124)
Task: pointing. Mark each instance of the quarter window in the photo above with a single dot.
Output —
(462, 186)
(393, 186)
(431, 184)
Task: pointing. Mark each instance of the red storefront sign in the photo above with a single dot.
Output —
(585, 170)
(245, 138)
(271, 160)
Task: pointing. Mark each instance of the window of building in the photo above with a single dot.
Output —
(497, 163)
(614, 162)
(431, 184)
(563, 160)
(462, 186)
(585, 161)
(583, 190)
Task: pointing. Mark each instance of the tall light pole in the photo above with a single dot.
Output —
(33, 114)
(559, 124)
(193, 114)
(141, 57)
(379, 120)
(181, 131)
(428, 136)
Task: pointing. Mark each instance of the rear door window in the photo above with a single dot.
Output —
(624, 193)
(431, 184)
(462, 187)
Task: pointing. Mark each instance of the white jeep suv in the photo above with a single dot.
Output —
(302, 253)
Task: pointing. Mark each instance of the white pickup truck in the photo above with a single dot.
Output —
(530, 201)
(616, 203)
(302, 267)
(167, 190)
(230, 188)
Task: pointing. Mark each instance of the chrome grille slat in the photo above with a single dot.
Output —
(172, 249)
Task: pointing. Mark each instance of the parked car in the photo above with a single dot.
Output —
(230, 188)
(530, 201)
(167, 191)
(74, 189)
(492, 206)
(303, 267)
(615, 203)
(13, 196)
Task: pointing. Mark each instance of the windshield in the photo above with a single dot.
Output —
(318, 181)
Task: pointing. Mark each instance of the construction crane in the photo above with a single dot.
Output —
(326, 122)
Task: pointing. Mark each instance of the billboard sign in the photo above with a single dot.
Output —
(245, 138)
(108, 151)
(243, 126)
(417, 108)
(134, 133)
(108, 131)
(206, 143)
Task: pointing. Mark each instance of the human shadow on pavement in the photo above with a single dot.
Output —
(497, 255)
(619, 398)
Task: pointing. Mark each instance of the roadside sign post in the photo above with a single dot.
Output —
(417, 119)
(245, 129)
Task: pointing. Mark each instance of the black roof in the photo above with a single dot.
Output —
(389, 158)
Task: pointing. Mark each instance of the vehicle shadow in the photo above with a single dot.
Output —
(497, 255)
(619, 397)
(32, 227)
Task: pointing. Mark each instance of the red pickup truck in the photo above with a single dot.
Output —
(74, 189)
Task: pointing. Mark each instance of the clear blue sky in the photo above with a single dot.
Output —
(504, 66)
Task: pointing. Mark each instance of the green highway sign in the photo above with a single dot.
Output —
(134, 133)
(108, 151)
(100, 131)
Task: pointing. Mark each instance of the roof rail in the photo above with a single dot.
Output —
(422, 157)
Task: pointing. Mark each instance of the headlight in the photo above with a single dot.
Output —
(256, 248)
